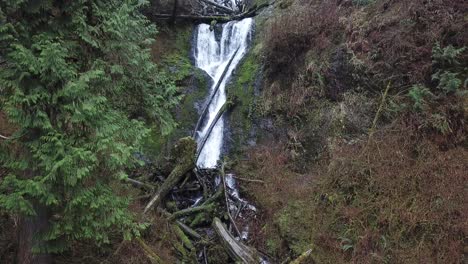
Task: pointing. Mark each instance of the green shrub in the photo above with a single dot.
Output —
(418, 95)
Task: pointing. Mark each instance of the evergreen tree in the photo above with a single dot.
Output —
(78, 82)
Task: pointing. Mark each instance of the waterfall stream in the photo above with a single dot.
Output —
(212, 56)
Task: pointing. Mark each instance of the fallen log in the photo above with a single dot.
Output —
(215, 91)
(252, 12)
(226, 106)
(220, 7)
(192, 210)
(238, 251)
(184, 151)
(303, 257)
(153, 257)
(193, 18)
(187, 230)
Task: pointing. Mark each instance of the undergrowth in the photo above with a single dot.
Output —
(364, 160)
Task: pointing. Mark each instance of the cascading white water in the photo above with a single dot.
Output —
(213, 57)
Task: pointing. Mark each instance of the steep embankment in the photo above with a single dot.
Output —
(360, 127)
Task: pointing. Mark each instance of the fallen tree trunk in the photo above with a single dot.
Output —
(238, 251)
(224, 108)
(193, 18)
(192, 210)
(220, 7)
(152, 256)
(216, 88)
(207, 19)
(184, 151)
(187, 230)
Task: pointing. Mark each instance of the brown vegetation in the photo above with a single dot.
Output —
(394, 196)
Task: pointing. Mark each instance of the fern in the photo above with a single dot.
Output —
(448, 81)
(446, 56)
(419, 94)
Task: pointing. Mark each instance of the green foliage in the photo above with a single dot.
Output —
(446, 59)
(446, 56)
(78, 83)
(448, 81)
(418, 94)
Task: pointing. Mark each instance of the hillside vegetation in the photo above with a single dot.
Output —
(362, 131)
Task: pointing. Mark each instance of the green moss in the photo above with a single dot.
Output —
(217, 254)
(274, 244)
(294, 223)
(241, 90)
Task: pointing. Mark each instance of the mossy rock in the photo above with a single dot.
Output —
(242, 87)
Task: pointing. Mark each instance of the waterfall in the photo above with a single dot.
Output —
(213, 57)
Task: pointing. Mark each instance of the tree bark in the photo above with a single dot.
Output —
(29, 227)
(220, 7)
(174, 12)
(220, 113)
(238, 251)
(184, 151)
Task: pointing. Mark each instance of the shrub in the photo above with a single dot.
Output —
(418, 94)
(398, 199)
(296, 30)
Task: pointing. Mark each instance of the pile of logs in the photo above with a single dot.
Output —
(206, 11)
(192, 218)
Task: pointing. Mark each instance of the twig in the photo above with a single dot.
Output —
(4, 137)
(140, 184)
(142, 197)
(227, 201)
(249, 180)
(302, 257)
(203, 184)
(379, 110)
(205, 256)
